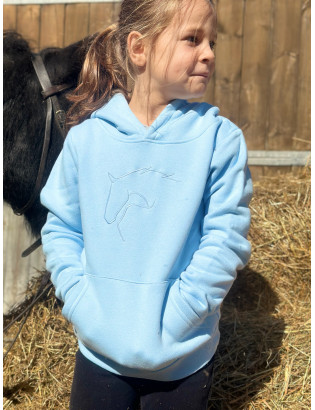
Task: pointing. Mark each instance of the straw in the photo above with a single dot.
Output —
(263, 360)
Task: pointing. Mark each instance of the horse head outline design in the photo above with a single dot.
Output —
(126, 191)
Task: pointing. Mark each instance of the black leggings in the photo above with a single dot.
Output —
(94, 388)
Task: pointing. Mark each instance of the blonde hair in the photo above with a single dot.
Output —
(107, 65)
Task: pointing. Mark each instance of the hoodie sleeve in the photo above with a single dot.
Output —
(223, 247)
(62, 237)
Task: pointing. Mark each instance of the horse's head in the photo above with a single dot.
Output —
(24, 116)
(64, 65)
(116, 199)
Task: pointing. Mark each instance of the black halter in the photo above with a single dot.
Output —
(54, 112)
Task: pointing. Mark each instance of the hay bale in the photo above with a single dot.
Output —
(263, 360)
(264, 356)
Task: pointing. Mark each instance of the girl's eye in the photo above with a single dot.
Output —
(212, 45)
(192, 39)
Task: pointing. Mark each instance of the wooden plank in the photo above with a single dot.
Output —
(9, 17)
(257, 172)
(229, 57)
(17, 271)
(278, 158)
(52, 25)
(76, 22)
(255, 73)
(303, 135)
(19, 2)
(116, 10)
(28, 24)
(101, 16)
(274, 171)
(284, 78)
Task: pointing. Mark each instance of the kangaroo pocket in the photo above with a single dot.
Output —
(180, 321)
(73, 296)
(123, 322)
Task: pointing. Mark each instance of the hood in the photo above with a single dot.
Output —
(179, 121)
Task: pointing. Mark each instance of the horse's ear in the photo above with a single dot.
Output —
(111, 178)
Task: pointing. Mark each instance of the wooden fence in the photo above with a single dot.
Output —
(262, 78)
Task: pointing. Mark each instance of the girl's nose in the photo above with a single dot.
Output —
(207, 54)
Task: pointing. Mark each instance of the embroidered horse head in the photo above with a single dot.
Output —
(130, 190)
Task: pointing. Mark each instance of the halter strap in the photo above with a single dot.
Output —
(53, 111)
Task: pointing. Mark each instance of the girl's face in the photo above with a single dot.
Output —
(183, 60)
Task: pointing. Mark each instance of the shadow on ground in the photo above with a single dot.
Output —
(251, 337)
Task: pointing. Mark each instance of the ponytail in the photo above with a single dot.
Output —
(107, 66)
(102, 74)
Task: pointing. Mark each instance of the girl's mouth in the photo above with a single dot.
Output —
(205, 75)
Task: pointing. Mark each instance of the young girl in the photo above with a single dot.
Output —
(148, 212)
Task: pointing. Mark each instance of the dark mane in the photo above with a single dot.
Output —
(24, 114)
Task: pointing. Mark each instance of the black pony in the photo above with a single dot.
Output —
(24, 116)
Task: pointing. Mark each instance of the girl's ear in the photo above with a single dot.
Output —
(137, 49)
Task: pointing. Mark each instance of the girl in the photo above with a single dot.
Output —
(148, 212)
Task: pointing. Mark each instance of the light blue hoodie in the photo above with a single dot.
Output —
(145, 232)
